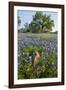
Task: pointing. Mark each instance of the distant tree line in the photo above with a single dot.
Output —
(39, 24)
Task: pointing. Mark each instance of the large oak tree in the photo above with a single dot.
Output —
(41, 23)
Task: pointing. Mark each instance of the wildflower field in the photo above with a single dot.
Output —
(46, 45)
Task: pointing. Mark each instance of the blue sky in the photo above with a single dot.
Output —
(26, 16)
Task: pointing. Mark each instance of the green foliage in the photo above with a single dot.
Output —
(31, 49)
(41, 23)
(22, 30)
(44, 69)
(25, 70)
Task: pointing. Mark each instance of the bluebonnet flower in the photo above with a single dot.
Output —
(30, 59)
(46, 56)
(48, 46)
(33, 55)
(50, 65)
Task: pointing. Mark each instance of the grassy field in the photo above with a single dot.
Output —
(36, 35)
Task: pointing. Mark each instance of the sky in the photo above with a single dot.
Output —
(26, 16)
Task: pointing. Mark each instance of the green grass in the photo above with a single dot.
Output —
(39, 35)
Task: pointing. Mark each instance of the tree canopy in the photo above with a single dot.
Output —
(39, 24)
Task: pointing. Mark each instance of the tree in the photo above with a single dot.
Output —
(26, 27)
(19, 21)
(47, 23)
(35, 25)
(41, 23)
